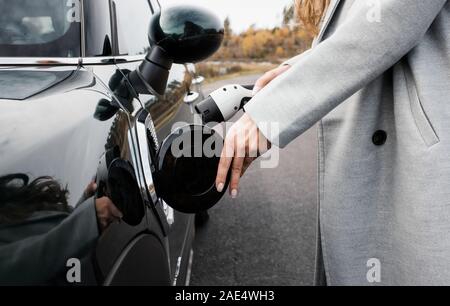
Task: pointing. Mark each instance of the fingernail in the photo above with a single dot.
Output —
(255, 90)
(220, 187)
(234, 193)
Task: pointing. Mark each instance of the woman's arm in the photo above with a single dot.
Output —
(353, 56)
(38, 259)
(295, 59)
(74, 237)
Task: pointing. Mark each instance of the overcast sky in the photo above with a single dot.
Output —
(243, 13)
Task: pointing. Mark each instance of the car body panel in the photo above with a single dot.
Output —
(56, 134)
(43, 134)
(67, 120)
(162, 115)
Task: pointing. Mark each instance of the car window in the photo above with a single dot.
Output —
(133, 17)
(97, 23)
(45, 28)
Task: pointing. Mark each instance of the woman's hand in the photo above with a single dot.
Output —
(105, 209)
(107, 212)
(268, 77)
(244, 143)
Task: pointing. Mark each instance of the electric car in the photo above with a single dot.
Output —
(73, 131)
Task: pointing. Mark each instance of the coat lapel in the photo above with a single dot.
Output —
(326, 20)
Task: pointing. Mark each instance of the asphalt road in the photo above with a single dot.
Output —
(267, 235)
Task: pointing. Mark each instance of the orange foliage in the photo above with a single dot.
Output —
(264, 44)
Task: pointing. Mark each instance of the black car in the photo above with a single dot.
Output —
(77, 134)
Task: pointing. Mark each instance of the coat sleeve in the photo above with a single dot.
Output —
(38, 259)
(359, 51)
(295, 59)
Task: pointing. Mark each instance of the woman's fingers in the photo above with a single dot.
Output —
(90, 189)
(253, 142)
(240, 133)
(268, 77)
(233, 147)
(241, 148)
(103, 224)
(236, 172)
(263, 81)
(107, 212)
(226, 159)
(115, 212)
(247, 163)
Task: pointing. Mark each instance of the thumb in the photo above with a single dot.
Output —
(268, 77)
(116, 212)
(256, 89)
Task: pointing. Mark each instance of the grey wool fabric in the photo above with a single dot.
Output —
(378, 81)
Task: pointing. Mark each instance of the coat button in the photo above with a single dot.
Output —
(379, 138)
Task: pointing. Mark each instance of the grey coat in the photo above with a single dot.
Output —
(47, 238)
(365, 79)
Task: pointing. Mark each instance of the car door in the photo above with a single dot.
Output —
(156, 120)
(134, 251)
(62, 128)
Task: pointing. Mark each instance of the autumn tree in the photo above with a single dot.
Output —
(288, 15)
(265, 44)
(228, 30)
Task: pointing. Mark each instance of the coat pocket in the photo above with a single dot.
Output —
(421, 119)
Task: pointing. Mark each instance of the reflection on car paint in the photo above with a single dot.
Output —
(60, 129)
(50, 151)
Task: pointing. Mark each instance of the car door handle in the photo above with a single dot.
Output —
(191, 97)
(198, 80)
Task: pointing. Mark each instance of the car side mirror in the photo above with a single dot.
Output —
(179, 34)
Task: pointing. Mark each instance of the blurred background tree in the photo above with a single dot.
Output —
(254, 50)
(288, 16)
(273, 45)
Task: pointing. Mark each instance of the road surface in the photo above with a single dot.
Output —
(267, 235)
